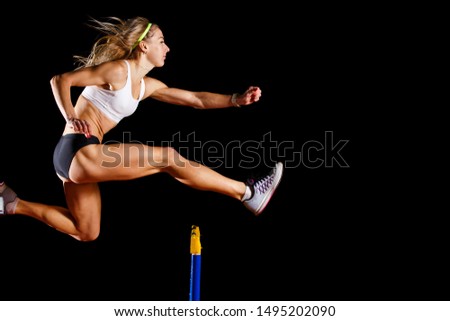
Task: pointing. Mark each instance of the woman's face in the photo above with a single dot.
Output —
(157, 48)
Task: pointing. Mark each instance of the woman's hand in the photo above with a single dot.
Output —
(80, 126)
(250, 96)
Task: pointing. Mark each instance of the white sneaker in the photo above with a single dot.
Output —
(2, 206)
(263, 189)
(7, 198)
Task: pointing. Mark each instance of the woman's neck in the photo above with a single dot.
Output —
(142, 67)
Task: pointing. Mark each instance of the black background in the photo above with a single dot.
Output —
(362, 232)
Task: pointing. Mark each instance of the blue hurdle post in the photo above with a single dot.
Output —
(196, 261)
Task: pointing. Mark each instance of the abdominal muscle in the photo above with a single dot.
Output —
(99, 124)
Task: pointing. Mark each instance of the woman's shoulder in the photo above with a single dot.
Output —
(118, 65)
(151, 85)
(116, 69)
(150, 81)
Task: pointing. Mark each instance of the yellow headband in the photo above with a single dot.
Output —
(142, 36)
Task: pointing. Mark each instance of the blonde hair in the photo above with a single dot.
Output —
(117, 40)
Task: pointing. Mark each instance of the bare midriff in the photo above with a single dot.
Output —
(99, 124)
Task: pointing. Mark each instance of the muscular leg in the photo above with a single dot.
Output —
(97, 163)
(81, 220)
(84, 202)
(130, 161)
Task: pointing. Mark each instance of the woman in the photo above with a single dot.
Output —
(114, 77)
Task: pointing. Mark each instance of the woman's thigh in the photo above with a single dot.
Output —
(120, 162)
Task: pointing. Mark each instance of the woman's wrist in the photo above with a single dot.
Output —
(70, 117)
(234, 100)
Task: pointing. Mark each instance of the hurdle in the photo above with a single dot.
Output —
(196, 261)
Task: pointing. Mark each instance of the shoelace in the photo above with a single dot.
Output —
(264, 183)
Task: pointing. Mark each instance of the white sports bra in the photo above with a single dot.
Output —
(115, 104)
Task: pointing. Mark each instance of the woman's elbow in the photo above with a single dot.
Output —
(60, 80)
(54, 80)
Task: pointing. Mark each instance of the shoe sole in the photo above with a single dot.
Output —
(2, 209)
(279, 175)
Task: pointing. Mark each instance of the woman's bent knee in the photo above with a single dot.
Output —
(88, 232)
(88, 236)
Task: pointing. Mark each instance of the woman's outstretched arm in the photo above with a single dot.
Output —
(200, 99)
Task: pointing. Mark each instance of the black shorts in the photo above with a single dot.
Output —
(66, 149)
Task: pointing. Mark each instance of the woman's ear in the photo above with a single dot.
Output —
(143, 46)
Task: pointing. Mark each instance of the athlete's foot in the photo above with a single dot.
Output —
(8, 200)
(263, 189)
